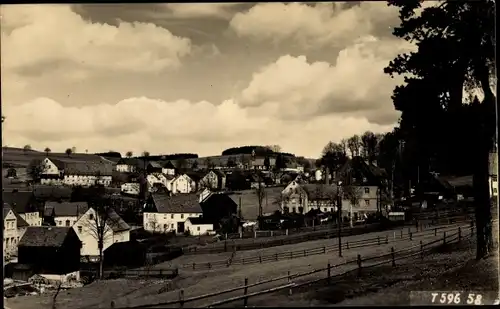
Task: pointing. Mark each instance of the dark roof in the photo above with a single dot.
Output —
(358, 169)
(128, 161)
(43, 236)
(21, 202)
(169, 177)
(181, 203)
(65, 209)
(195, 176)
(154, 164)
(20, 221)
(463, 181)
(56, 192)
(320, 191)
(89, 168)
(224, 199)
(169, 165)
(116, 222)
(58, 162)
(199, 220)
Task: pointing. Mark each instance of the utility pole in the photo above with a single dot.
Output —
(339, 211)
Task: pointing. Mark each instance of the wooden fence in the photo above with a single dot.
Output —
(136, 273)
(346, 245)
(359, 263)
(227, 246)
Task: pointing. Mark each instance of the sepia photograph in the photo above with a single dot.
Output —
(251, 154)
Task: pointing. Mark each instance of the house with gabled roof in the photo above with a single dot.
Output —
(64, 213)
(182, 184)
(168, 168)
(164, 213)
(115, 229)
(50, 252)
(75, 173)
(14, 228)
(127, 165)
(25, 204)
(214, 180)
(302, 198)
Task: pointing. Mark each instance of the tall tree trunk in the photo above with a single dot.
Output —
(101, 258)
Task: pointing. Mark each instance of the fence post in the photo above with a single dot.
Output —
(459, 234)
(393, 256)
(411, 236)
(378, 240)
(421, 250)
(305, 253)
(272, 233)
(226, 236)
(194, 266)
(444, 238)
(324, 249)
(112, 305)
(359, 264)
(245, 291)
(386, 239)
(209, 266)
(409, 230)
(401, 234)
(289, 281)
(260, 259)
(435, 231)
(286, 232)
(254, 234)
(241, 235)
(328, 273)
(181, 298)
(394, 235)
(276, 256)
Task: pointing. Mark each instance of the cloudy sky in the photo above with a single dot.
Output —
(169, 78)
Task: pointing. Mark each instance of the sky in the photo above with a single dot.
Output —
(197, 78)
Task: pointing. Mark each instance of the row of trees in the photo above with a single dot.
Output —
(47, 150)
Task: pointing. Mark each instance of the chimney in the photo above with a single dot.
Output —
(327, 176)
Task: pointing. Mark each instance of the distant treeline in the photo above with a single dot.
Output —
(110, 154)
(175, 156)
(259, 151)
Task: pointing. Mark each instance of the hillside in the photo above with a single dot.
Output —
(17, 157)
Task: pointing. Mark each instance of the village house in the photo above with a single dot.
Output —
(87, 227)
(157, 178)
(197, 226)
(64, 213)
(216, 207)
(163, 213)
(214, 180)
(258, 163)
(364, 179)
(132, 188)
(168, 168)
(302, 198)
(25, 204)
(57, 172)
(182, 184)
(14, 228)
(51, 252)
(154, 167)
(126, 165)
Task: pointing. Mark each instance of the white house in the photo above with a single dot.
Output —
(132, 188)
(14, 228)
(306, 197)
(165, 213)
(156, 178)
(25, 204)
(215, 180)
(198, 226)
(113, 227)
(126, 165)
(56, 172)
(182, 184)
(64, 213)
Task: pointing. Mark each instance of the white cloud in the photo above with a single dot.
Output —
(354, 85)
(50, 35)
(312, 26)
(157, 126)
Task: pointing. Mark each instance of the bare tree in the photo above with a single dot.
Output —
(26, 148)
(129, 154)
(68, 152)
(35, 170)
(47, 151)
(354, 145)
(100, 222)
(353, 194)
(344, 145)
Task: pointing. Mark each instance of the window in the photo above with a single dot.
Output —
(172, 226)
(367, 202)
(325, 210)
(495, 190)
(364, 179)
(198, 228)
(67, 223)
(367, 190)
(80, 229)
(171, 216)
(164, 226)
(91, 216)
(182, 216)
(164, 216)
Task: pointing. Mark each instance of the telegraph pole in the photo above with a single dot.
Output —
(339, 211)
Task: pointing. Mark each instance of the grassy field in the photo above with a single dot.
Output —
(21, 158)
(250, 203)
(129, 292)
